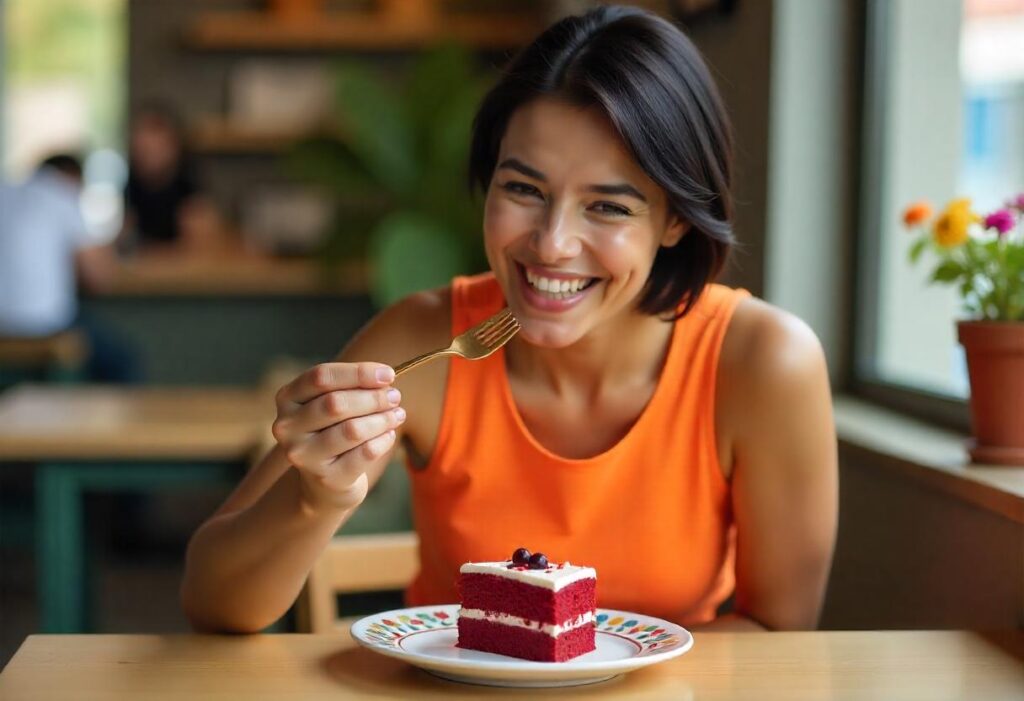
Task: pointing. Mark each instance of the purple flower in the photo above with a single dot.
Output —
(1001, 220)
(1017, 202)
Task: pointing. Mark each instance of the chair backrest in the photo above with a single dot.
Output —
(355, 563)
(55, 357)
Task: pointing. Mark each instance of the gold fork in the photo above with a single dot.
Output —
(474, 343)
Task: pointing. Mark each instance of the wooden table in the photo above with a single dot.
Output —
(881, 666)
(117, 439)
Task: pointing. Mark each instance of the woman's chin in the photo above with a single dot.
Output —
(548, 336)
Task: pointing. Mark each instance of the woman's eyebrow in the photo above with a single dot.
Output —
(517, 165)
(616, 189)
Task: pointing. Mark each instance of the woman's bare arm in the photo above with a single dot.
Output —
(785, 472)
(246, 565)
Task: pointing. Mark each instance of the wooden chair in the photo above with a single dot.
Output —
(57, 357)
(354, 563)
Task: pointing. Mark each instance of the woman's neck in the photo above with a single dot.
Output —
(616, 356)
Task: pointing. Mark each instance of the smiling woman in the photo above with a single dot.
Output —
(671, 432)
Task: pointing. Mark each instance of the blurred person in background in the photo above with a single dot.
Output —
(165, 208)
(46, 256)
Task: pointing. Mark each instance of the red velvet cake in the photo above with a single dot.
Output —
(527, 608)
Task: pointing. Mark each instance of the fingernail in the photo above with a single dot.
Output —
(399, 414)
(394, 396)
(385, 374)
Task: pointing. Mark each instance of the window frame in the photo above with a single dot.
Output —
(933, 407)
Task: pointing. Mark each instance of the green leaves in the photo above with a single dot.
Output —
(376, 128)
(948, 271)
(918, 248)
(398, 167)
(412, 253)
(988, 273)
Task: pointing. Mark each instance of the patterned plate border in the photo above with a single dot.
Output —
(651, 638)
(387, 632)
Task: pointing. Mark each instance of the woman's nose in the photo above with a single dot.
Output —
(556, 237)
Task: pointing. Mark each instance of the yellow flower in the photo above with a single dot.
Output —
(951, 226)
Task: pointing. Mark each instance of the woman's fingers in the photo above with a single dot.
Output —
(335, 407)
(353, 435)
(347, 467)
(329, 377)
(336, 422)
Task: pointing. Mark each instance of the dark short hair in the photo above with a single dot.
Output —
(653, 85)
(65, 163)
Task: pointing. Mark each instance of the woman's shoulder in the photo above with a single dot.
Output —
(762, 336)
(769, 357)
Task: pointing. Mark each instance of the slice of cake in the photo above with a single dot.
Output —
(527, 607)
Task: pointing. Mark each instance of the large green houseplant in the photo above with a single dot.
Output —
(395, 161)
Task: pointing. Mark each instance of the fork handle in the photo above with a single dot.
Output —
(420, 359)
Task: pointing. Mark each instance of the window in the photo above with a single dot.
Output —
(944, 117)
(63, 90)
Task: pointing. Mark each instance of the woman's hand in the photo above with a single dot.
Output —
(336, 424)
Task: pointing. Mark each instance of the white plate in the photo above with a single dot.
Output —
(425, 636)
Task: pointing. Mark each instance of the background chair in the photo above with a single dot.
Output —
(57, 358)
(350, 564)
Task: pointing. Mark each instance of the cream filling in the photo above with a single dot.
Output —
(551, 629)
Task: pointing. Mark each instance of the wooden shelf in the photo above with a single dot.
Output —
(235, 275)
(255, 30)
(215, 135)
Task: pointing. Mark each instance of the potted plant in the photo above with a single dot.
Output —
(983, 256)
(395, 160)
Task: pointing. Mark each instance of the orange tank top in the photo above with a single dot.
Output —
(651, 514)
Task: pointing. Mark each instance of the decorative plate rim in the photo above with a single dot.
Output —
(511, 665)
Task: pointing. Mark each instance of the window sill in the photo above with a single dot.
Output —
(934, 456)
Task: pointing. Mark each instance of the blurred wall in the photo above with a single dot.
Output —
(225, 340)
(738, 47)
(813, 164)
(911, 556)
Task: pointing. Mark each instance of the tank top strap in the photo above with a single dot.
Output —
(474, 298)
(697, 341)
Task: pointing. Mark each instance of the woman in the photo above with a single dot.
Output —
(671, 432)
(167, 211)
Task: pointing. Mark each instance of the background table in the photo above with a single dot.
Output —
(117, 439)
(933, 665)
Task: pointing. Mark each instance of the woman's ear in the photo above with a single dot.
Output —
(677, 229)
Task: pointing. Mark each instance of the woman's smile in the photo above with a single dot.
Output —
(551, 291)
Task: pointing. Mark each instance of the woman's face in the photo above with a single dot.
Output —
(571, 222)
(155, 146)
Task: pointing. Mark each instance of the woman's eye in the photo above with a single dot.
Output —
(611, 209)
(518, 188)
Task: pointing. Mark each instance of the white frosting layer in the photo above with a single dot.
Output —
(550, 629)
(553, 578)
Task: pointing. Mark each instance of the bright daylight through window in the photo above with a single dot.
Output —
(944, 118)
(63, 88)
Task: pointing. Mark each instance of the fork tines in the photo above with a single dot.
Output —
(495, 329)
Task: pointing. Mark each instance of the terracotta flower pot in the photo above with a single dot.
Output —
(995, 362)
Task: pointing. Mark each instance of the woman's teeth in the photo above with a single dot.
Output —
(557, 289)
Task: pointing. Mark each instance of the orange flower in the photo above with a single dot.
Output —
(917, 213)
